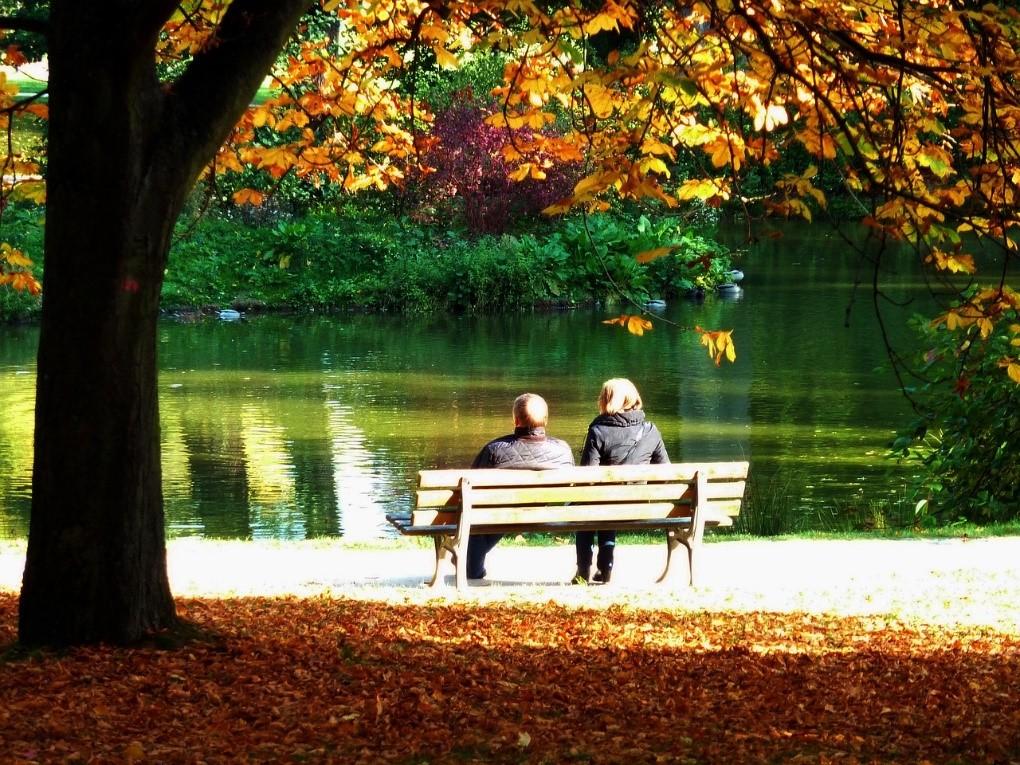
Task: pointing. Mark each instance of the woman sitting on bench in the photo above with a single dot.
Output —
(620, 435)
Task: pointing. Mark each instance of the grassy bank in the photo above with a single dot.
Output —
(721, 536)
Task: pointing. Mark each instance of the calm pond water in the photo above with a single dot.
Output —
(301, 427)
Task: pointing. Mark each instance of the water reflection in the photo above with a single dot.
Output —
(292, 428)
(359, 476)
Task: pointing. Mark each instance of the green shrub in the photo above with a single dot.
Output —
(357, 260)
(22, 228)
(596, 259)
(966, 438)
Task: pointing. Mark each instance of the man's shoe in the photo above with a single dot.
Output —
(481, 575)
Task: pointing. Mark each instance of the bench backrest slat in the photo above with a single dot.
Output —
(534, 495)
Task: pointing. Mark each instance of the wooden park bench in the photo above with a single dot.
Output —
(682, 499)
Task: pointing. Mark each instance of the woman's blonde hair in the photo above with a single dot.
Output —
(618, 395)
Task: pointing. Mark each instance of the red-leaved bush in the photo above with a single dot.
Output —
(471, 183)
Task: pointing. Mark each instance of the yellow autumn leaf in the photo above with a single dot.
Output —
(961, 263)
(14, 257)
(262, 117)
(600, 99)
(538, 120)
(279, 157)
(647, 256)
(22, 281)
(433, 32)
(601, 23)
(655, 146)
(521, 172)
(445, 59)
(731, 349)
(248, 196)
(954, 263)
(702, 189)
(636, 325)
(770, 117)
(720, 153)
(719, 344)
(654, 165)
(558, 208)
(591, 185)
(30, 191)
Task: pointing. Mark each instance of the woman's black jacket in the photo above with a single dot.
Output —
(611, 441)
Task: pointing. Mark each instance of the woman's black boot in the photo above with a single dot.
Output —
(604, 564)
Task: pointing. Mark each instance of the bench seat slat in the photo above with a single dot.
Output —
(680, 471)
(534, 495)
(713, 508)
(562, 528)
(531, 515)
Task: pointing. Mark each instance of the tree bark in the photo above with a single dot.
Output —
(124, 151)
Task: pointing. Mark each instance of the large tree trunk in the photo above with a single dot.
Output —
(123, 153)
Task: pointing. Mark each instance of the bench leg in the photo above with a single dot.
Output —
(460, 539)
(673, 540)
(443, 553)
(671, 544)
(458, 546)
(460, 561)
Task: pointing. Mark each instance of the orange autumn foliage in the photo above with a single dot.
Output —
(339, 681)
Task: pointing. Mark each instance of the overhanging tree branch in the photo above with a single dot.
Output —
(212, 94)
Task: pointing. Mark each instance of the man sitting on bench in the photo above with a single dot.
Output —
(527, 448)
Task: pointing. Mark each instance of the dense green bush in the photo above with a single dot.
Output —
(596, 259)
(330, 262)
(966, 439)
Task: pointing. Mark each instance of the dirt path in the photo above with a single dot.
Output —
(958, 581)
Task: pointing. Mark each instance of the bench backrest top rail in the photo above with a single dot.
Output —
(679, 471)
